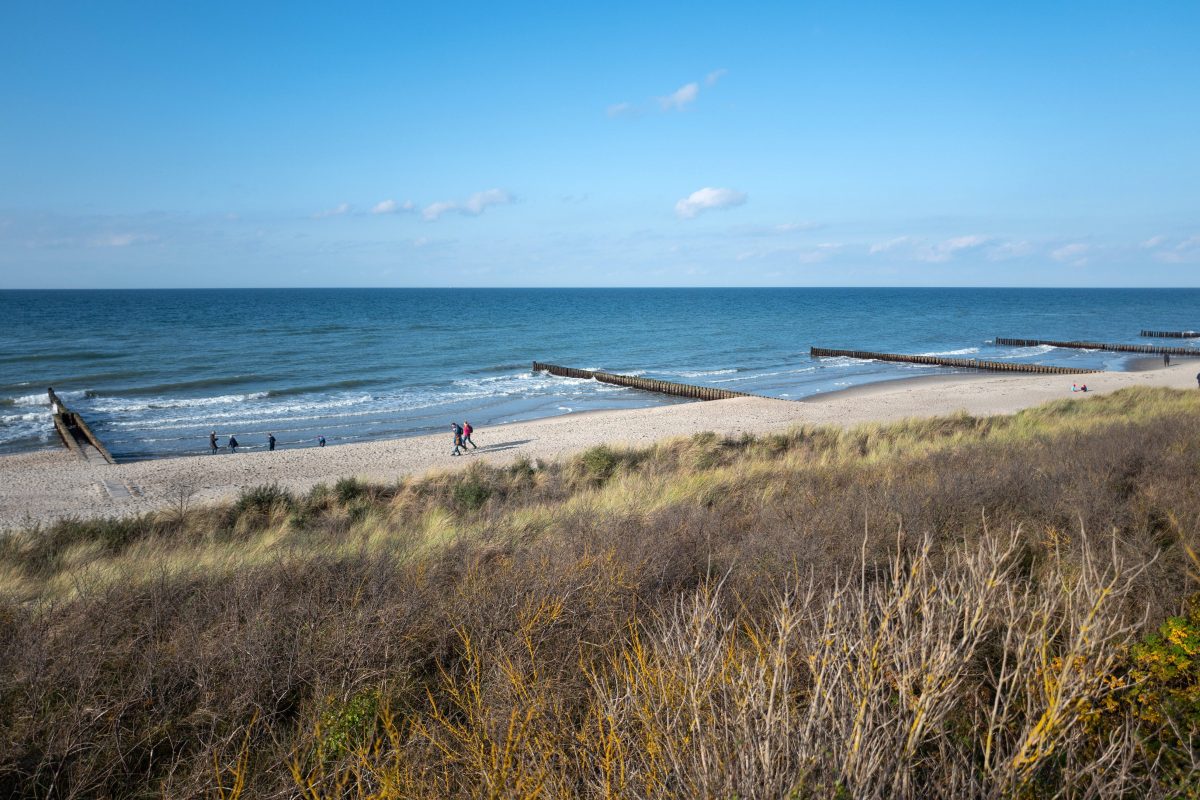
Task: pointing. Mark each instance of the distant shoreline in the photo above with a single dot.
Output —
(38, 487)
(367, 365)
(864, 390)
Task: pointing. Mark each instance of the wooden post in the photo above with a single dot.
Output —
(1113, 348)
(823, 352)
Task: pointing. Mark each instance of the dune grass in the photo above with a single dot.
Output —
(951, 607)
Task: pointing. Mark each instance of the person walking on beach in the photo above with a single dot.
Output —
(1166, 359)
(270, 441)
(458, 438)
(233, 445)
(320, 441)
(466, 436)
(212, 443)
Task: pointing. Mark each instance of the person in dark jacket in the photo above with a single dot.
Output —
(212, 442)
(233, 444)
(270, 441)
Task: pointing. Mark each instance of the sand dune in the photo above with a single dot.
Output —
(39, 487)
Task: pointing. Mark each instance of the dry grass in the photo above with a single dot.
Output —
(937, 608)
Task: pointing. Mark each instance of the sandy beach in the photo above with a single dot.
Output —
(43, 486)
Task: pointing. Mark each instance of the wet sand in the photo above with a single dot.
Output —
(40, 487)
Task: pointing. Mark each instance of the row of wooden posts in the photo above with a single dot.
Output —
(1171, 334)
(646, 384)
(1148, 349)
(965, 363)
(72, 428)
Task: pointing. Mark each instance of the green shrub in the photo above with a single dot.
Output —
(522, 468)
(1165, 672)
(344, 726)
(600, 462)
(358, 510)
(348, 489)
(319, 497)
(262, 500)
(471, 493)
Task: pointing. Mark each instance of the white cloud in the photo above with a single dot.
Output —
(891, 244)
(677, 100)
(1153, 242)
(622, 110)
(121, 239)
(1075, 254)
(815, 255)
(680, 97)
(479, 201)
(336, 211)
(1006, 250)
(1183, 251)
(435, 210)
(706, 199)
(917, 249)
(946, 250)
(793, 227)
(392, 207)
(962, 243)
(809, 254)
(473, 206)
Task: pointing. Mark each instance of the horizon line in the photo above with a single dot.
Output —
(569, 288)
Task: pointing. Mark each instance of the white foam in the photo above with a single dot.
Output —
(119, 405)
(12, 419)
(704, 373)
(963, 352)
(14, 427)
(42, 399)
(844, 361)
(1026, 352)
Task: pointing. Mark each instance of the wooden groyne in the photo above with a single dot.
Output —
(1171, 334)
(645, 384)
(75, 432)
(1147, 349)
(962, 363)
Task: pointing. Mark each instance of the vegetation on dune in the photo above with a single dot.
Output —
(952, 607)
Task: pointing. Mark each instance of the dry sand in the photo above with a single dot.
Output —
(43, 486)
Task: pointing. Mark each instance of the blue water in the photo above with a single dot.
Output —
(154, 371)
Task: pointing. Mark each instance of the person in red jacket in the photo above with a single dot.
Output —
(466, 436)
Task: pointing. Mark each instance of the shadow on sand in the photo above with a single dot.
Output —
(492, 448)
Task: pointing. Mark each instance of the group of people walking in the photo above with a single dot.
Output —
(462, 437)
(232, 444)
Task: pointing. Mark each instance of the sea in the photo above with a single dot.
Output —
(154, 371)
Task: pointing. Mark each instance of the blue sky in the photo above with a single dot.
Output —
(557, 144)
